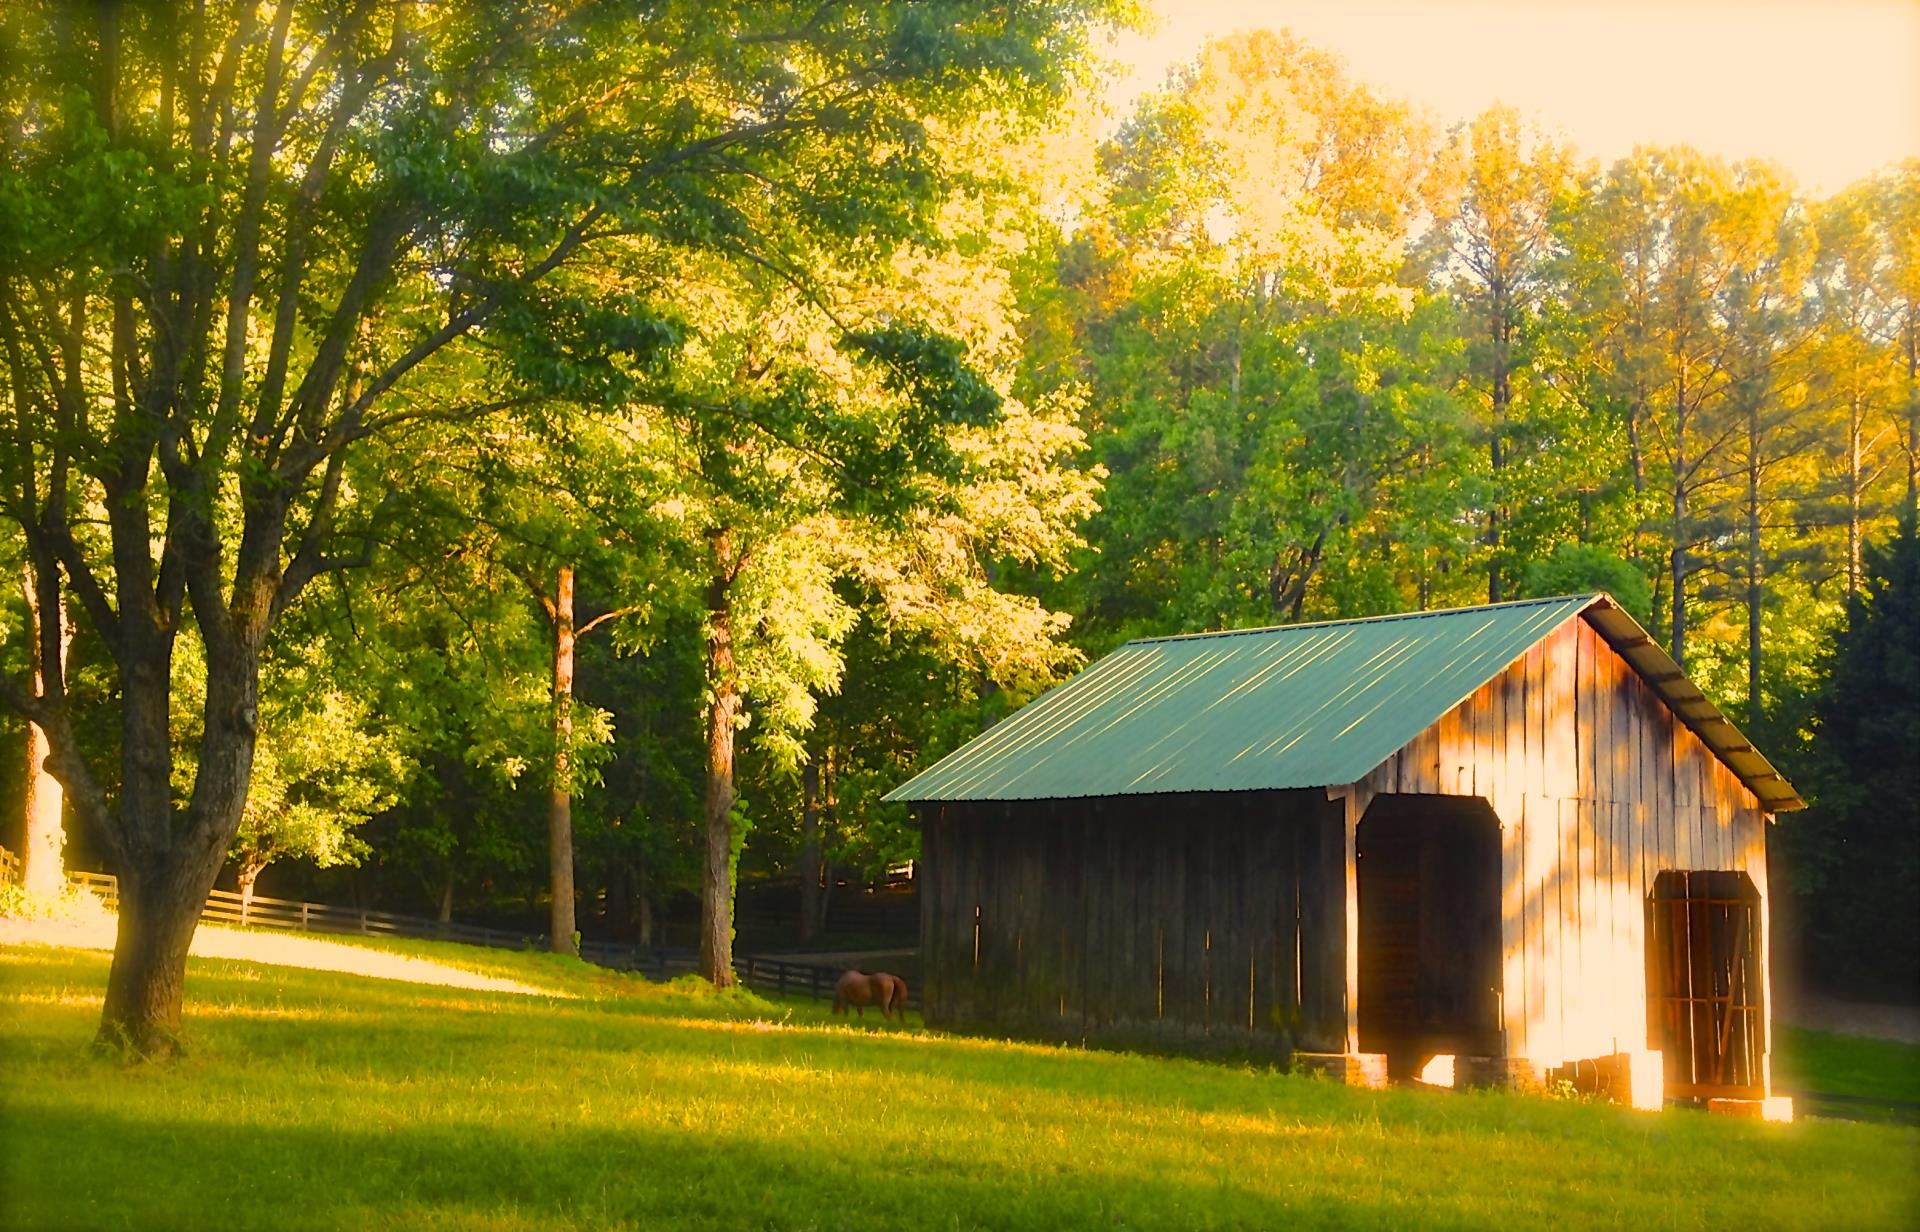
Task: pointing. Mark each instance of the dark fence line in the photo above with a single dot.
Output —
(660, 962)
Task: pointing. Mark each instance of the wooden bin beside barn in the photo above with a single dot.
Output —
(1513, 839)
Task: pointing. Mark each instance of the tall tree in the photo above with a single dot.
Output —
(1265, 378)
(1500, 245)
(241, 243)
(1897, 218)
(1650, 259)
(1855, 852)
(43, 869)
(1760, 308)
(1856, 379)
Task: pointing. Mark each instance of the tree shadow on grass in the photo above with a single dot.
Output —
(182, 1172)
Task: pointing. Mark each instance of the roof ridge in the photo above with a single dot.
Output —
(1364, 620)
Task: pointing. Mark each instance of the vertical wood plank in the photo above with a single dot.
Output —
(1513, 935)
(1175, 1009)
(1351, 913)
(1194, 949)
(1585, 687)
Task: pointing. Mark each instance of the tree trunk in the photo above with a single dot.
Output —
(141, 1014)
(44, 838)
(643, 907)
(810, 896)
(1500, 329)
(1856, 428)
(1913, 412)
(445, 912)
(244, 878)
(1753, 565)
(716, 880)
(1678, 638)
(561, 925)
(168, 869)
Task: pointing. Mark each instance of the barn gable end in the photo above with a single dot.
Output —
(1603, 788)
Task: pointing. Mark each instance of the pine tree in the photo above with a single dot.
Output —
(1855, 854)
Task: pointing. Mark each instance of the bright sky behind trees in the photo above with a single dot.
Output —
(1828, 88)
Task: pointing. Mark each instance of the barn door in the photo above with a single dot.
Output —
(1705, 991)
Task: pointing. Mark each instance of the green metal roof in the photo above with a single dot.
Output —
(1310, 705)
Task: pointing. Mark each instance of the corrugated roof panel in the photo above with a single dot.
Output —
(1291, 707)
(1250, 710)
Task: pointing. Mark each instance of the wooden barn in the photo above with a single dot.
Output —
(1509, 842)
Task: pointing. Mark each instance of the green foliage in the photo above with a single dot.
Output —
(72, 905)
(1578, 568)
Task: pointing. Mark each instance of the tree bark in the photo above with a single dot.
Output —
(42, 849)
(1912, 339)
(1678, 637)
(157, 917)
(1753, 564)
(561, 924)
(643, 907)
(809, 871)
(445, 913)
(244, 877)
(716, 880)
(168, 869)
(1856, 429)
(1500, 329)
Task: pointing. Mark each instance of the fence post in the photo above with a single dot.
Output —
(813, 982)
(304, 918)
(363, 921)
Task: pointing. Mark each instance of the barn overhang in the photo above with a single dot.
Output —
(1692, 707)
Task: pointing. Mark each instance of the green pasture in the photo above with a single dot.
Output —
(317, 1100)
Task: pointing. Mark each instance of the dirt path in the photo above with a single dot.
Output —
(278, 949)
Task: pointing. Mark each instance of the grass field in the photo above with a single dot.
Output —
(1846, 1065)
(315, 1099)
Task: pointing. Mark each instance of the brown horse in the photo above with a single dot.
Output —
(858, 989)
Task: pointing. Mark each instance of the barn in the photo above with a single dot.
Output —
(1511, 843)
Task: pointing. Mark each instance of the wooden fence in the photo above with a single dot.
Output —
(660, 962)
(105, 887)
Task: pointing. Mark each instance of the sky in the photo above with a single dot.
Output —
(1830, 89)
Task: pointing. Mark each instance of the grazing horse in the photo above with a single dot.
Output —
(858, 989)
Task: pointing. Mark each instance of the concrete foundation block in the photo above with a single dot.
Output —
(1772, 1108)
(1354, 1069)
(1502, 1073)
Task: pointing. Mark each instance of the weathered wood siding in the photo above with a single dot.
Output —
(1199, 922)
(1598, 787)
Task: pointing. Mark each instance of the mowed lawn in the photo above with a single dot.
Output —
(315, 1099)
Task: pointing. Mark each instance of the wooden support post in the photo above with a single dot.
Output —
(1354, 798)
